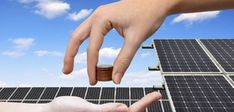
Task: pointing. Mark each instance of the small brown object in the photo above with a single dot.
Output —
(104, 72)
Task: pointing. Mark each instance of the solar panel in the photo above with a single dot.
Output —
(223, 52)
(232, 77)
(201, 93)
(183, 55)
(97, 95)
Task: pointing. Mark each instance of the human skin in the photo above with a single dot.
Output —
(135, 21)
(76, 104)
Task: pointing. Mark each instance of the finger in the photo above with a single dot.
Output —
(125, 57)
(146, 101)
(113, 107)
(79, 35)
(99, 30)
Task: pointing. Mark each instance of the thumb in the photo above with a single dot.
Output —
(113, 107)
(127, 52)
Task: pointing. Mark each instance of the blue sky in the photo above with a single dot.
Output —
(34, 36)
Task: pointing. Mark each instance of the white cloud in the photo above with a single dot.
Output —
(108, 52)
(75, 16)
(22, 43)
(25, 1)
(20, 47)
(41, 53)
(13, 54)
(2, 84)
(51, 8)
(77, 74)
(193, 17)
(145, 54)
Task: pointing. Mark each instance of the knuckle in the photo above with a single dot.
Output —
(122, 64)
(99, 15)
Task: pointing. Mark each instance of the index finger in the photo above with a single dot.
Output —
(146, 101)
(79, 35)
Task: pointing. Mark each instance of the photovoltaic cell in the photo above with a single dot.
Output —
(93, 93)
(6, 93)
(223, 52)
(155, 106)
(201, 93)
(97, 95)
(79, 92)
(122, 93)
(137, 93)
(183, 55)
(108, 93)
(35, 93)
(49, 93)
(64, 91)
(20, 93)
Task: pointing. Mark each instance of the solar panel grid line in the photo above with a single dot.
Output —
(57, 92)
(214, 93)
(20, 93)
(41, 94)
(115, 95)
(26, 94)
(11, 94)
(229, 79)
(169, 95)
(222, 51)
(72, 91)
(211, 56)
(174, 56)
(144, 95)
(100, 95)
(193, 58)
(183, 56)
(86, 91)
(162, 106)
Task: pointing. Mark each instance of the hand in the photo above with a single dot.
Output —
(76, 104)
(135, 21)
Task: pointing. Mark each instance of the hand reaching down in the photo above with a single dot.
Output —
(135, 21)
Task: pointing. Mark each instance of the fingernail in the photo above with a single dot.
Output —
(117, 78)
(121, 108)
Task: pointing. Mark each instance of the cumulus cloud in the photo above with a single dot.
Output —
(51, 8)
(145, 54)
(80, 73)
(108, 52)
(194, 17)
(76, 16)
(13, 53)
(20, 47)
(41, 53)
(22, 43)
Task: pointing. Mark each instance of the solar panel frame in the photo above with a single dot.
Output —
(217, 48)
(183, 63)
